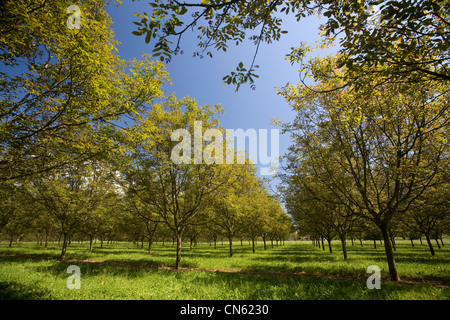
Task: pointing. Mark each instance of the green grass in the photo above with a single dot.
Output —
(127, 272)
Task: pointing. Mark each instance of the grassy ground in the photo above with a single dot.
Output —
(296, 270)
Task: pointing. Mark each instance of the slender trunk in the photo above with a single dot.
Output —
(253, 244)
(344, 247)
(442, 241)
(64, 247)
(230, 240)
(329, 245)
(389, 253)
(420, 238)
(429, 244)
(360, 241)
(271, 242)
(11, 241)
(323, 246)
(264, 240)
(374, 244)
(150, 246)
(393, 243)
(437, 242)
(412, 242)
(178, 260)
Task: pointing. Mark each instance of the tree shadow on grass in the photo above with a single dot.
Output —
(10, 290)
(218, 285)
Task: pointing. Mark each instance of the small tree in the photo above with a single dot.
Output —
(176, 192)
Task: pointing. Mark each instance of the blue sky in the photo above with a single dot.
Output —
(201, 79)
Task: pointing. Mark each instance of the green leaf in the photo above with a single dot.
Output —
(183, 10)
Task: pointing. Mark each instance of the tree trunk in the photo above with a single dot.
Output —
(393, 243)
(437, 242)
(412, 242)
(264, 240)
(178, 260)
(429, 244)
(150, 246)
(253, 244)
(329, 245)
(64, 247)
(344, 248)
(90, 243)
(323, 246)
(389, 253)
(230, 240)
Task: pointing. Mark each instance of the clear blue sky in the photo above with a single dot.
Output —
(201, 79)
